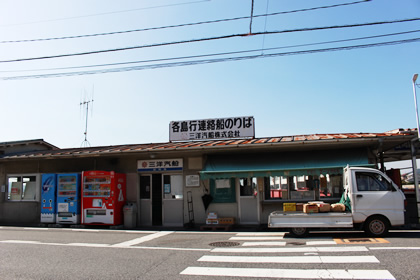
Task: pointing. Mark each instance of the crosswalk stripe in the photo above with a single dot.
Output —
(291, 250)
(279, 243)
(290, 259)
(274, 243)
(142, 239)
(260, 234)
(289, 273)
(311, 243)
(256, 238)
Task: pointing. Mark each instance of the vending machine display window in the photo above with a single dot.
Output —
(97, 187)
(67, 186)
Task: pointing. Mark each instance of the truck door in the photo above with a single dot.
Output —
(372, 194)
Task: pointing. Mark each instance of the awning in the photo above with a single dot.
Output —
(282, 164)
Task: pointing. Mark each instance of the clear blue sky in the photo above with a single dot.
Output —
(359, 90)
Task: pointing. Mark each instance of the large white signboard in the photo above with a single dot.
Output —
(236, 127)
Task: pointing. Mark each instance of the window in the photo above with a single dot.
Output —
(277, 187)
(145, 185)
(306, 187)
(248, 186)
(372, 182)
(172, 186)
(222, 190)
(22, 188)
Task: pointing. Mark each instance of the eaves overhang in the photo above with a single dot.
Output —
(386, 141)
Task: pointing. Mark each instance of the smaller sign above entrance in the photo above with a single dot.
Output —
(160, 165)
(236, 127)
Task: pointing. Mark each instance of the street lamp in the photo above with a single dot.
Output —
(414, 152)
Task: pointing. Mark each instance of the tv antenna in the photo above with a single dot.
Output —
(85, 104)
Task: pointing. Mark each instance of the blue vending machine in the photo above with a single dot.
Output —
(68, 198)
(48, 198)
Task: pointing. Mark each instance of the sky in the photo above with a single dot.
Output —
(289, 82)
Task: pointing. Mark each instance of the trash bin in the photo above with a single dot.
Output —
(130, 215)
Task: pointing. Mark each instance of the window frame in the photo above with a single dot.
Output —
(388, 187)
(325, 187)
(223, 195)
(37, 188)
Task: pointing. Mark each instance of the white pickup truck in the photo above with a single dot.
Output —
(376, 204)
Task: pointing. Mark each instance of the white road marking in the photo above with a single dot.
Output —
(142, 239)
(394, 248)
(312, 243)
(88, 245)
(260, 234)
(289, 273)
(95, 245)
(291, 250)
(85, 230)
(273, 243)
(36, 228)
(256, 238)
(290, 259)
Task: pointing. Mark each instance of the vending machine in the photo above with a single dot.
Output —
(103, 197)
(68, 198)
(48, 198)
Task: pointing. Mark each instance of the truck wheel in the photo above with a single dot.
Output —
(376, 226)
(299, 231)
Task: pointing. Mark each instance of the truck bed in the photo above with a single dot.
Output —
(279, 219)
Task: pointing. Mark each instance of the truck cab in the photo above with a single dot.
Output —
(376, 202)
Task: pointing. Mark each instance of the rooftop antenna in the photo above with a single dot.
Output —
(85, 104)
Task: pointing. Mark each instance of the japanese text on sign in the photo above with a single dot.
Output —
(160, 165)
(237, 127)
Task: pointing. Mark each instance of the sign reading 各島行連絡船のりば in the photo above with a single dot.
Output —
(160, 165)
(222, 128)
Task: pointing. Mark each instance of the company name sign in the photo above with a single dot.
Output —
(237, 127)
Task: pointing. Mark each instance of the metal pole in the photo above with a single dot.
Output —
(415, 103)
(414, 152)
(415, 176)
(252, 15)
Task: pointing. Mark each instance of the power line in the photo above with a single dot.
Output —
(108, 13)
(215, 54)
(208, 61)
(179, 25)
(208, 39)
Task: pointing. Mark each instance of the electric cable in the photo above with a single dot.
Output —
(208, 61)
(177, 25)
(208, 39)
(108, 13)
(213, 54)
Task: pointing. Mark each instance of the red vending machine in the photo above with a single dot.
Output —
(103, 197)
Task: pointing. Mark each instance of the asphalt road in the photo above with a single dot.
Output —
(68, 253)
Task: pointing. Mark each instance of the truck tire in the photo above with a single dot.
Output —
(376, 226)
(299, 232)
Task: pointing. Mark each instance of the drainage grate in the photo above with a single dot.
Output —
(360, 241)
(224, 244)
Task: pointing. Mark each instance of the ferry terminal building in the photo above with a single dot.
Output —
(245, 179)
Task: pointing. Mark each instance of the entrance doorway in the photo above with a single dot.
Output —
(161, 199)
(157, 199)
(248, 201)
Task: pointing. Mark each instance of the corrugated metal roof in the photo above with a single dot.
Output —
(209, 144)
